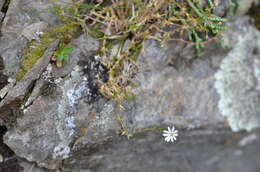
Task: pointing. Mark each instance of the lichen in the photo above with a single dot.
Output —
(61, 151)
(236, 83)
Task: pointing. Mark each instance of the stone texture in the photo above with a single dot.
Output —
(245, 5)
(183, 96)
(2, 15)
(3, 78)
(238, 82)
(23, 13)
(20, 15)
(30, 32)
(209, 149)
(9, 107)
(66, 124)
(2, 3)
(10, 51)
(9, 162)
(71, 114)
(199, 150)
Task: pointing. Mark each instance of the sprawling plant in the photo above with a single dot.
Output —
(128, 23)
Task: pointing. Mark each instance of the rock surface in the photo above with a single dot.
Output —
(66, 125)
(9, 107)
(69, 115)
(20, 15)
(199, 150)
(238, 82)
(213, 149)
(8, 160)
(187, 97)
(66, 110)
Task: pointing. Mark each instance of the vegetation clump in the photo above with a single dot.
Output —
(123, 26)
(127, 24)
(35, 50)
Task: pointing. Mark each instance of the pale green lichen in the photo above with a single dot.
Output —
(236, 83)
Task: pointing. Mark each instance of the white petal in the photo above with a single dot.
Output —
(169, 129)
(165, 135)
(175, 138)
(172, 128)
(167, 139)
(172, 139)
(165, 131)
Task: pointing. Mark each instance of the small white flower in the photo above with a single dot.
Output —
(170, 134)
(39, 33)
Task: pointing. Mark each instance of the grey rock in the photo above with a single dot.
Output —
(71, 126)
(234, 8)
(200, 150)
(10, 51)
(16, 95)
(83, 45)
(245, 5)
(20, 15)
(238, 84)
(3, 78)
(32, 167)
(6, 88)
(32, 31)
(2, 15)
(183, 96)
(23, 13)
(2, 3)
(72, 115)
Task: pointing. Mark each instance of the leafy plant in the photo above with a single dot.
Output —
(64, 32)
(118, 21)
(62, 54)
(125, 25)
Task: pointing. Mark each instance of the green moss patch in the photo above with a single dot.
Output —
(35, 50)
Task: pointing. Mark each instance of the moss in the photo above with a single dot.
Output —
(64, 33)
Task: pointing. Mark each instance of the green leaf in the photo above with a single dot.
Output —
(63, 52)
(87, 6)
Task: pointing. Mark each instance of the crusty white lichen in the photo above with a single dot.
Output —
(237, 83)
(61, 151)
(72, 90)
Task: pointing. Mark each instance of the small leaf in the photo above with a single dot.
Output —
(88, 6)
(63, 52)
